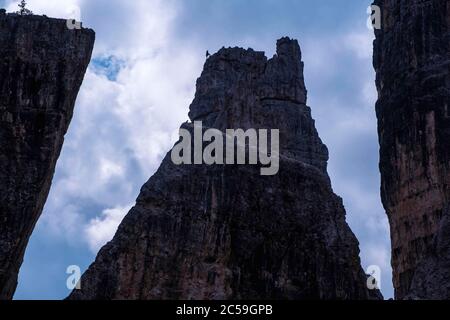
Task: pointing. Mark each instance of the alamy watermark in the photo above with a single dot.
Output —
(235, 146)
(374, 20)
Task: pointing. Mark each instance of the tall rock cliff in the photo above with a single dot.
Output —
(412, 61)
(42, 65)
(225, 231)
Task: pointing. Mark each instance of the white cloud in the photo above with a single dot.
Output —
(102, 229)
(67, 224)
(122, 125)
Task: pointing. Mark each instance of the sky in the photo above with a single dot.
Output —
(137, 91)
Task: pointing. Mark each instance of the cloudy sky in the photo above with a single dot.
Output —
(136, 94)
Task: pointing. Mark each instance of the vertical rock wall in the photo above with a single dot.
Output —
(42, 65)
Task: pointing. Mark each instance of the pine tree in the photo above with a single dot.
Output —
(23, 10)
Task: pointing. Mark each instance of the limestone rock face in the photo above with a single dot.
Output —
(412, 61)
(42, 65)
(225, 231)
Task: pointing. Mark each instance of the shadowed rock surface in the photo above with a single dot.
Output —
(42, 65)
(431, 280)
(226, 232)
(412, 61)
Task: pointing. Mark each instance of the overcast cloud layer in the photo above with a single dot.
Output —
(137, 91)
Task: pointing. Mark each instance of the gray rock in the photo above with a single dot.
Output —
(42, 65)
(225, 231)
(412, 61)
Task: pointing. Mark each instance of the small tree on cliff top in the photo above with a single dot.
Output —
(23, 10)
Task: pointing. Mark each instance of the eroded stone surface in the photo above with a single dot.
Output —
(42, 65)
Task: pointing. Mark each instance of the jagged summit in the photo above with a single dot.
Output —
(225, 231)
(285, 47)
